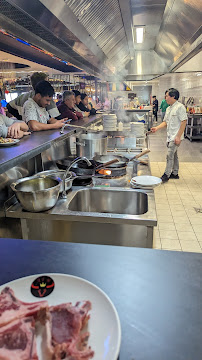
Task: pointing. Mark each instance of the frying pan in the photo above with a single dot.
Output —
(82, 168)
(123, 161)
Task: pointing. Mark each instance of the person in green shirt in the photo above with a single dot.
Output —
(163, 107)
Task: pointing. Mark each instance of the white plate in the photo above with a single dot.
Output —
(146, 181)
(104, 324)
(141, 187)
(14, 142)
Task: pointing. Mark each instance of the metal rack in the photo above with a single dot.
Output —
(193, 129)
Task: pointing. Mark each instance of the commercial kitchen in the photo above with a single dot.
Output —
(83, 205)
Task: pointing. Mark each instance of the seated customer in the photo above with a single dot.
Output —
(34, 109)
(77, 102)
(10, 128)
(15, 107)
(67, 107)
(83, 105)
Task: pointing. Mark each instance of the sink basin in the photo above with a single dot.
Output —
(114, 201)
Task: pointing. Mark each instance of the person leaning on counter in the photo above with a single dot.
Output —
(15, 107)
(67, 107)
(84, 112)
(34, 109)
(84, 106)
(10, 128)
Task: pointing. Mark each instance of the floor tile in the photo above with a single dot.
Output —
(170, 244)
(174, 202)
(181, 220)
(190, 246)
(199, 236)
(163, 212)
(156, 244)
(186, 235)
(156, 233)
(195, 220)
(176, 207)
(168, 234)
(167, 226)
(197, 228)
(178, 213)
(183, 227)
(165, 219)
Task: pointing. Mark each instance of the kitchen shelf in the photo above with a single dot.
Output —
(193, 129)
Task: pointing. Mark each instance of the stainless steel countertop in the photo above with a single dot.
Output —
(34, 144)
(62, 212)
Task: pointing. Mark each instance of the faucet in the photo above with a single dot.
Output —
(82, 158)
(65, 124)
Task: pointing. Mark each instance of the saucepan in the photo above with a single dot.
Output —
(60, 174)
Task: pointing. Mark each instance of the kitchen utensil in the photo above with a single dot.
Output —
(123, 161)
(104, 324)
(91, 144)
(60, 174)
(108, 163)
(37, 193)
(82, 169)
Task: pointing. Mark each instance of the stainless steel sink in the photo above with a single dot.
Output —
(114, 201)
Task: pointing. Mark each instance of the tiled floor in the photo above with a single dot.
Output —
(179, 225)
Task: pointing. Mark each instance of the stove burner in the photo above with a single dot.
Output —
(82, 182)
(114, 173)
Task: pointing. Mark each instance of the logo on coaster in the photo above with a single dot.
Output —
(42, 286)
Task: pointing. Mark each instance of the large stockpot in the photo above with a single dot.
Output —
(37, 193)
(91, 144)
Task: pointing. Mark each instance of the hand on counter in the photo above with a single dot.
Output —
(17, 130)
(59, 124)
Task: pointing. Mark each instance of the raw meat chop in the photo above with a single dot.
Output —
(17, 340)
(64, 339)
(11, 308)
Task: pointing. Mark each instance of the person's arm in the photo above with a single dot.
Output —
(3, 130)
(182, 116)
(180, 132)
(37, 126)
(161, 126)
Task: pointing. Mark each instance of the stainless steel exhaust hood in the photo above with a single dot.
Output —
(97, 36)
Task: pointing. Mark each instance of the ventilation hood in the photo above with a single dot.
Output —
(99, 36)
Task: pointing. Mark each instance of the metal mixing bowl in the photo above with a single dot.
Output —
(37, 194)
(60, 174)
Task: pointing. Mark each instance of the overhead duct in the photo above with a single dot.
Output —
(145, 66)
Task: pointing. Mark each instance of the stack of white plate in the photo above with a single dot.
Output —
(137, 128)
(126, 126)
(146, 182)
(110, 122)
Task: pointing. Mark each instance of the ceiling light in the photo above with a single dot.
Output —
(199, 74)
(139, 35)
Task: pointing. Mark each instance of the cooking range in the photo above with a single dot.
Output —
(112, 176)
